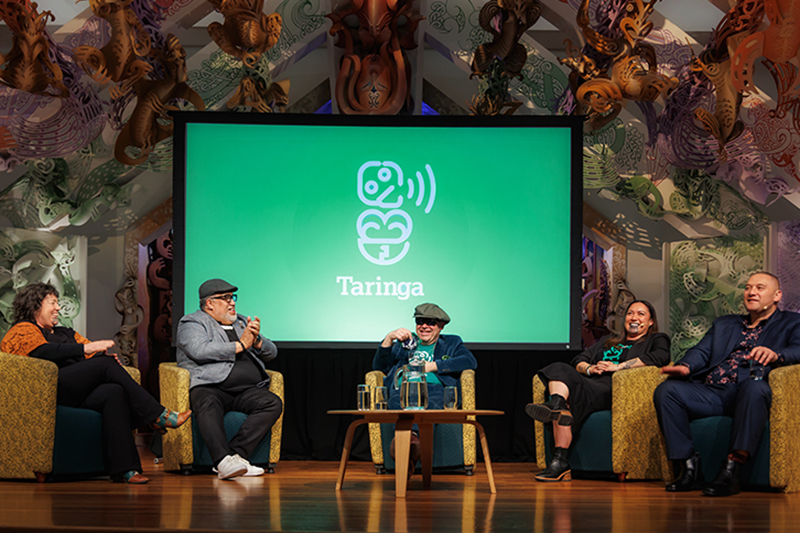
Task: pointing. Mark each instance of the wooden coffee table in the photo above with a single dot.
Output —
(403, 421)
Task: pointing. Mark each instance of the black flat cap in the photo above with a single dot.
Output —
(215, 286)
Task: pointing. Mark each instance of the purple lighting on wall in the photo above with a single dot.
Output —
(327, 109)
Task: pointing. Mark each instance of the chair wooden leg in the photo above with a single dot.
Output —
(40, 477)
(270, 468)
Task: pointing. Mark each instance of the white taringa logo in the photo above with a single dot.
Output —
(383, 235)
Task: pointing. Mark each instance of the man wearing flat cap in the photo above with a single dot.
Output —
(444, 357)
(225, 353)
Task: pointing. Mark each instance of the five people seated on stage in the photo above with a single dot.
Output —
(225, 354)
(444, 357)
(89, 378)
(583, 386)
(717, 381)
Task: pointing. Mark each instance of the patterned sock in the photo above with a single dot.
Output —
(167, 419)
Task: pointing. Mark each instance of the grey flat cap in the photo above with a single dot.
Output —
(431, 311)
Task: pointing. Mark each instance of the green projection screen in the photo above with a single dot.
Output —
(334, 228)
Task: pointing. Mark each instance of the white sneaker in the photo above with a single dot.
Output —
(252, 470)
(230, 466)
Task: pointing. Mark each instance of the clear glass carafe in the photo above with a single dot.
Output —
(413, 388)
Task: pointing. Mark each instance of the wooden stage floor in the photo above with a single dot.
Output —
(300, 496)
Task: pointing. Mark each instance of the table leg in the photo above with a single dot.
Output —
(348, 442)
(402, 446)
(426, 444)
(486, 457)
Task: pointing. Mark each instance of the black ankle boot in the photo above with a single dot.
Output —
(727, 481)
(558, 469)
(690, 476)
(553, 410)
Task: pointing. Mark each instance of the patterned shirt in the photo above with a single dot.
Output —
(423, 354)
(728, 370)
(614, 353)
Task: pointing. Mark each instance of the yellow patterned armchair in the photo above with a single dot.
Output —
(777, 462)
(39, 438)
(625, 440)
(453, 446)
(637, 448)
(184, 448)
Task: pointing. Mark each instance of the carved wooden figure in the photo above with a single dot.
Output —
(779, 43)
(374, 75)
(120, 60)
(633, 73)
(246, 32)
(254, 92)
(715, 63)
(506, 20)
(28, 66)
(149, 123)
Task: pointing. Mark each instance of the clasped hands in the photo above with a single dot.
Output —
(250, 337)
(601, 367)
(606, 366)
(760, 354)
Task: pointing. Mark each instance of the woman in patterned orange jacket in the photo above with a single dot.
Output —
(89, 378)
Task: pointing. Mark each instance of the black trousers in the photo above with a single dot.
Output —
(102, 385)
(209, 405)
(678, 402)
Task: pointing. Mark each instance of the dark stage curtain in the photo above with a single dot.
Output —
(320, 380)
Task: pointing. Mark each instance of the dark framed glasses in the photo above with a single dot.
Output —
(227, 297)
(421, 321)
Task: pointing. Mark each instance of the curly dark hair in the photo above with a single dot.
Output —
(29, 300)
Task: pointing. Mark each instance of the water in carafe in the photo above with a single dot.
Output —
(413, 388)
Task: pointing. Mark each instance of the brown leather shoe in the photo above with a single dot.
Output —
(137, 479)
(132, 477)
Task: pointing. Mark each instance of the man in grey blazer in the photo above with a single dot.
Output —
(225, 353)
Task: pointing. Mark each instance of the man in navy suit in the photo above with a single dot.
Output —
(719, 383)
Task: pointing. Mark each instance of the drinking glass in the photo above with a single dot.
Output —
(450, 398)
(381, 399)
(756, 370)
(363, 398)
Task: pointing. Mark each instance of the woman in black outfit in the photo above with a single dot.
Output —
(583, 386)
(88, 378)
